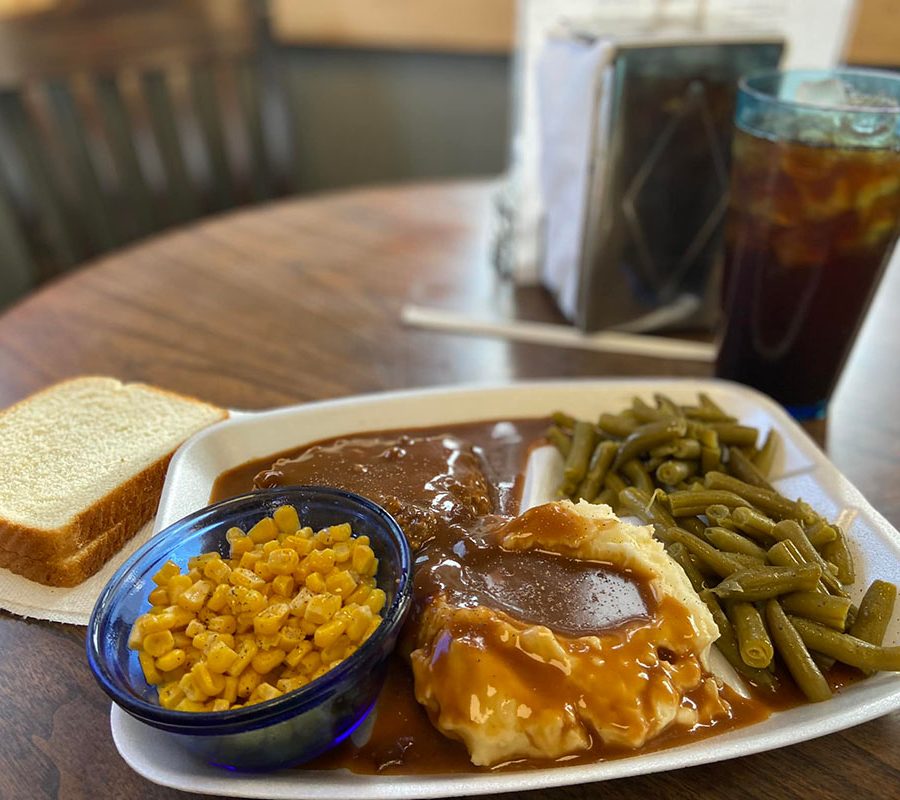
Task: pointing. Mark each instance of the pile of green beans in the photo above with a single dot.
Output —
(773, 572)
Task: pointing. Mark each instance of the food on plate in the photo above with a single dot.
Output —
(773, 572)
(500, 650)
(284, 608)
(555, 629)
(83, 464)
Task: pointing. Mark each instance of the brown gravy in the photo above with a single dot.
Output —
(438, 482)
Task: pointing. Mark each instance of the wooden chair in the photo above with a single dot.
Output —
(118, 119)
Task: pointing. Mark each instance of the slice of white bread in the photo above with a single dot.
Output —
(82, 466)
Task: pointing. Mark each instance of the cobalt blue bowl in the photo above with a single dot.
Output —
(289, 729)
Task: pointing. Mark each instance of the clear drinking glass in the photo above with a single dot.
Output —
(812, 221)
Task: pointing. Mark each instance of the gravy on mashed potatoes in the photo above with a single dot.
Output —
(564, 624)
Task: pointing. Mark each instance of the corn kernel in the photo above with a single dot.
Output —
(265, 530)
(289, 637)
(166, 572)
(327, 634)
(224, 623)
(310, 662)
(292, 659)
(220, 656)
(263, 570)
(363, 560)
(217, 570)
(159, 596)
(340, 583)
(359, 595)
(245, 622)
(244, 599)
(263, 692)
(182, 640)
(249, 679)
(322, 608)
(207, 681)
(170, 695)
(271, 619)
(283, 561)
(300, 601)
(283, 586)
(267, 641)
(194, 627)
(159, 643)
(373, 626)
(188, 685)
(266, 660)
(171, 660)
(148, 667)
(286, 518)
(220, 704)
(176, 585)
(322, 560)
(300, 545)
(336, 651)
(178, 617)
(241, 545)
(361, 618)
(220, 597)
(316, 583)
(342, 552)
(245, 652)
(375, 600)
(246, 578)
(229, 693)
(291, 684)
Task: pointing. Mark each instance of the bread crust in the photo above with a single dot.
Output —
(66, 555)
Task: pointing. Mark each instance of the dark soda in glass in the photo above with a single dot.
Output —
(812, 221)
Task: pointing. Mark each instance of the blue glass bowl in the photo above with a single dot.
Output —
(296, 726)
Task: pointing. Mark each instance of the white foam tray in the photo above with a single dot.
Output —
(802, 470)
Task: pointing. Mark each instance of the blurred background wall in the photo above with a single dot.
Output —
(119, 118)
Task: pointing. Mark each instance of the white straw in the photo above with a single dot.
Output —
(558, 335)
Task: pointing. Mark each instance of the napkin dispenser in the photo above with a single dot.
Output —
(635, 140)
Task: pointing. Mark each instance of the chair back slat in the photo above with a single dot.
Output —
(181, 198)
(204, 92)
(261, 173)
(18, 273)
(132, 194)
(42, 200)
(90, 201)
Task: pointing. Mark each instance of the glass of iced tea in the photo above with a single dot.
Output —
(813, 217)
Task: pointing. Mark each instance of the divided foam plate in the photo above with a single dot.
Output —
(805, 470)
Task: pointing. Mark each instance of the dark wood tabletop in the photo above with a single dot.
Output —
(301, 301)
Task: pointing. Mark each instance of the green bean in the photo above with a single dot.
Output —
(720, 516)
(602, 457)
(820, 534)
(635, 472)
(667, 405)
(732, 542)
(576, 465)
(728, 646)
(752, 638)
(691, 503)
(708, 402)
(693, 525)
(648, 436)
(619, 425)
(606, 497)
(823, 608)
(710, 450)
(765, 500)
(838, 553)
(786, 554)
(795, 655)
(563, 420)
(673, 472)
(790, 529)
(645, 507)
(875, 612)
(729, 433)
(753, 523)
(745, 470)
(846, 648)
(722, 564)
(646, 413)
(682, 557)
(613, 481)
(763, 582)
(705, 414)
(558, 438)
(684, 449)
(765, 458)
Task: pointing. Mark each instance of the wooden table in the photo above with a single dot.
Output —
(300, 301)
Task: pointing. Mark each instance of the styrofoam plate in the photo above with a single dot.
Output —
(802, 470)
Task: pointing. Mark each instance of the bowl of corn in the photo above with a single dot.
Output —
(256, 631)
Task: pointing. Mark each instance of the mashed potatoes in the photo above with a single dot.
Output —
(510, 686)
